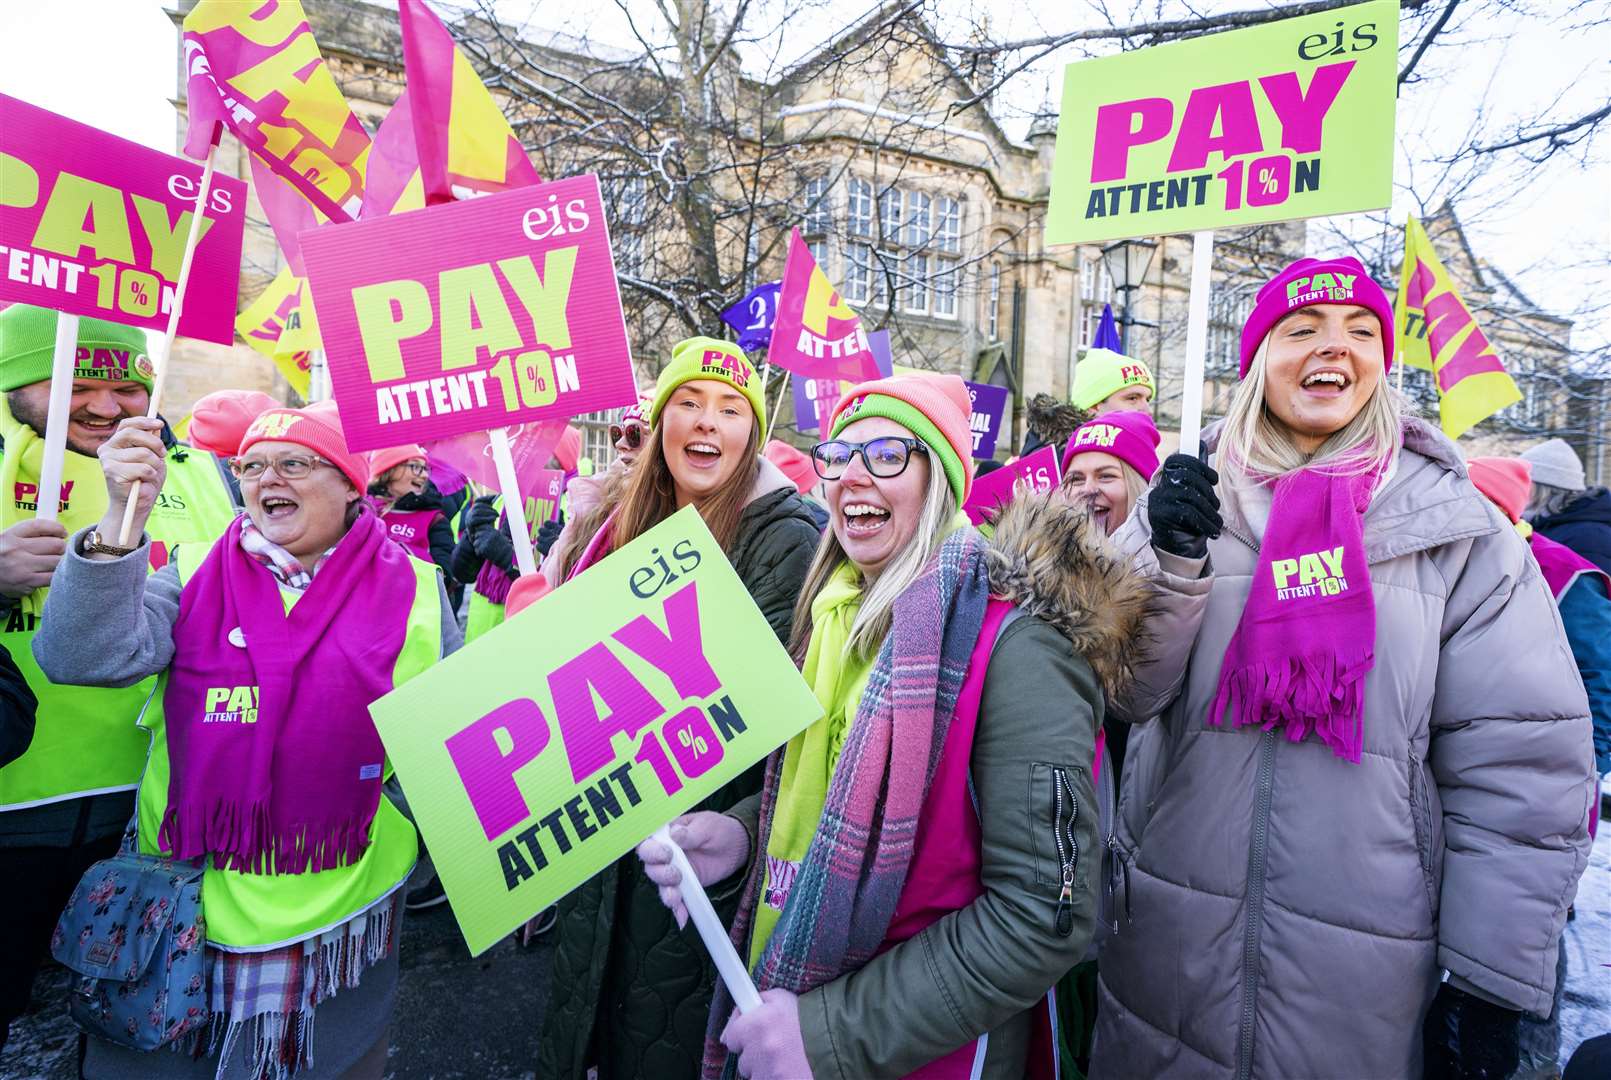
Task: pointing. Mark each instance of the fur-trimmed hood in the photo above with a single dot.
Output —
(1053, 562)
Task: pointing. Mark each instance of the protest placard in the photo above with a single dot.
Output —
(1290, 119)
(91, 224)
(1032, 474)
(532, 759)
(471, 316)
(815, 333)
(989, 410)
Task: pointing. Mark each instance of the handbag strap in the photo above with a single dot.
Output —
(131, 846)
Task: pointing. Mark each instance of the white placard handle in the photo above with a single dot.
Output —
(1191, 391)
(47, 501)
(514, 507)
(710, 928)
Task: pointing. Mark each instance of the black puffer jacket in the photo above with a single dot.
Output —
(1584, 525)
(17, 705)
(632, 992)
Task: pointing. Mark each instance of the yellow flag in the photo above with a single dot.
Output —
(1436, 332)
(275, 325)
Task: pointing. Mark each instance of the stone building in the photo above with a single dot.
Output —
(928, 219)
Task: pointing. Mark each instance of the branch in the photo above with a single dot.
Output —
(1420, 50)
(1554, 136)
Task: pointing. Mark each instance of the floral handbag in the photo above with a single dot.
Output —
(134, 936)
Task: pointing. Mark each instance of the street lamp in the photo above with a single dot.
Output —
(1127, 262)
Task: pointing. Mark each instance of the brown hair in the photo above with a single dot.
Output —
(648, 495)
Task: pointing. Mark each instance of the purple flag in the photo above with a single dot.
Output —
(753, 316)
(1107, 334)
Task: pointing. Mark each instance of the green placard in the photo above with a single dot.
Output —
(1292, 119)
(554, 744)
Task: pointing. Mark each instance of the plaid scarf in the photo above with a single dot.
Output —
(845, 893)
(285, 567)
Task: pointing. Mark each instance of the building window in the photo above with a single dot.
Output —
(945, 287)
(886, 269)
(993, 310)
(948, 225)
(631, 212)
(889, 215)
(596, 444)
(818, 206)
(819, 252)
(1228, 310)
(1095, 285)
(858, 273)
(859, 210)
(917, 292)
(917, 219)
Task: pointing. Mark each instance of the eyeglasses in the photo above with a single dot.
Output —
(884, 457)
(418, 468)
(632, 434)
(286, 468)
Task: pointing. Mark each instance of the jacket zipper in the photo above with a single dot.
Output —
(1255, 905)
(1068, 853)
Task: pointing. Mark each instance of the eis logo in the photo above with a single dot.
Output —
(717, 362)
(230, 705)
(26, 496)
(1320, 288)
(1319, 573)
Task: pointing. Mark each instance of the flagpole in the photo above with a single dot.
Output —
(777, 408)
(514, 507)
(159, 379)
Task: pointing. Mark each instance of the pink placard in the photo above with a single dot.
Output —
(92, 224)
(470, 316)
(1037, 473)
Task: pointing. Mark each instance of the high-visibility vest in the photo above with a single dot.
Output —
(252, 912)
(85, 739)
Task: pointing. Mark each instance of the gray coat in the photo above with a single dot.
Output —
(1291, 912)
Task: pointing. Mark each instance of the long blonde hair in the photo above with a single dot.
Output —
(877, 613)
(1254, 443)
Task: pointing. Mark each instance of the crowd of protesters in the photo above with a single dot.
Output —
(1277, 760)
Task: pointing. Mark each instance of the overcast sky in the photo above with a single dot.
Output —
(113, 64)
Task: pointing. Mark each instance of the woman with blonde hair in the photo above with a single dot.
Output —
(1362, 803)
(1107, 465)
(907, 907)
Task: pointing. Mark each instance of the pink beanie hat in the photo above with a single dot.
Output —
(1131, 437)
(220, 419)
(794, 463)
(1308, 282)
(317, 427)
(391, 457)
(569, 449)
(934, 407)
(1507, 482)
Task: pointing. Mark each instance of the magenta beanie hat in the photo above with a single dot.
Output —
(1316, 281)
(1131, 437)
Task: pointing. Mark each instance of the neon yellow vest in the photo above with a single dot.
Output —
(85, 740)
(249, 912)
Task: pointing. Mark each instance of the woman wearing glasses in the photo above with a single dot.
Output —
(928, 870)
(412, 510)
(637, 991)
(269, 646)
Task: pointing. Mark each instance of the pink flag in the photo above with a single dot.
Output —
(816, 333)
(464, 144)
(287, 211)
(254, 66)
(531, 446)
(394, 165)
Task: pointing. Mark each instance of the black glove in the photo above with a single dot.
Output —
(489, 539)
(548, 534)
(1183, 509)
(1467, 1038)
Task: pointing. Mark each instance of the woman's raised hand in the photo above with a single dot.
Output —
(133, 454)
(1182, 507)
(717, 847)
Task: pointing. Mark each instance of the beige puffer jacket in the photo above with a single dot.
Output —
(1291, 912)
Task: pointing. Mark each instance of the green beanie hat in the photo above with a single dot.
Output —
(105, 350)
(709, 358)
(1101, 373)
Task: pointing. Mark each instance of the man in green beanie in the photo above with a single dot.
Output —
(1106, 381)
(65, 801)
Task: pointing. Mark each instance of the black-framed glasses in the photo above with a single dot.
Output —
(632, 434)
(885, 456)
(290, 467)
(418, 468)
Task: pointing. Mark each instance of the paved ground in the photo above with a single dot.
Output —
(460, 1018)
(457, 1018)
